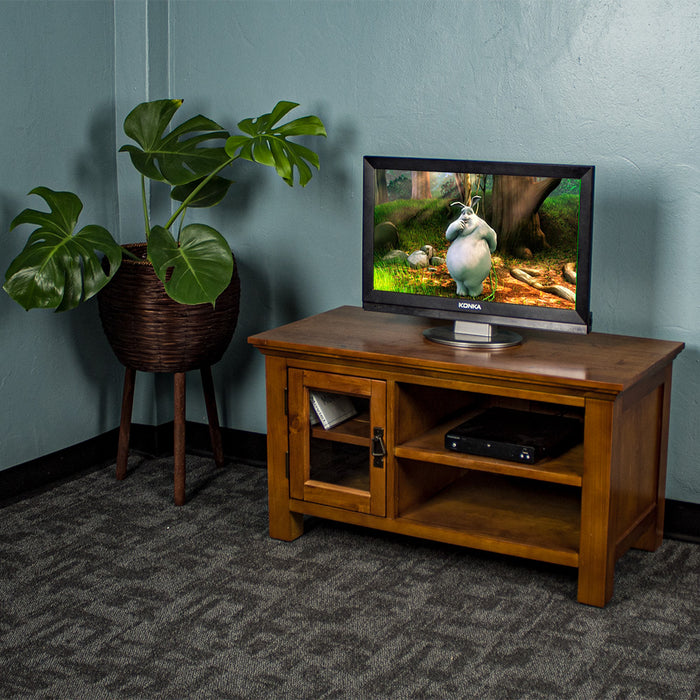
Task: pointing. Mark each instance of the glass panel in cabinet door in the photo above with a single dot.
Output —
(339, 455)
(332, 419)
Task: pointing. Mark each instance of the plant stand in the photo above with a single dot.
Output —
(179, 468)
(149, 332)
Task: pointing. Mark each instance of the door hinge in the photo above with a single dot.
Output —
(378, 449)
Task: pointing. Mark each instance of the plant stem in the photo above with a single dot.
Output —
(195, 191)
(145, 206)
(126, 253)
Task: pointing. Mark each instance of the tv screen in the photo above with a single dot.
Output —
(483, 244)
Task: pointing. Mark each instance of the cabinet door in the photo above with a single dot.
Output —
(344, 465)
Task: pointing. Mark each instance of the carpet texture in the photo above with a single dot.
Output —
(107, 590)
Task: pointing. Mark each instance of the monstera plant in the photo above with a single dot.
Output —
(60, 267)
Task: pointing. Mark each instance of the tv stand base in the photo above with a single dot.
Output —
(473, 336)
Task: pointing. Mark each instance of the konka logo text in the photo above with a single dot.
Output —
(469, 306)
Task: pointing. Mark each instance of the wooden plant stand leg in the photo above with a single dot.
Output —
(212, 415)
(125, 422)
(179, 468)
(179, 439)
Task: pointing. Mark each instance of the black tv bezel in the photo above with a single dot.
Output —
(576, 320)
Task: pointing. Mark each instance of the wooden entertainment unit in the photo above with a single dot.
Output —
(387, 466)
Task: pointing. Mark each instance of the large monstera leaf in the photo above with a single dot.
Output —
(266, 142)
(57, 269)
(201, 263)
(178, 157)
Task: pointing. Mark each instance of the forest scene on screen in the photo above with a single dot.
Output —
(501, 238)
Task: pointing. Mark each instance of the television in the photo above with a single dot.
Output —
(491, 247)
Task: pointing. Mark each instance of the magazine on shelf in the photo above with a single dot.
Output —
(332, 409)
(313, 418)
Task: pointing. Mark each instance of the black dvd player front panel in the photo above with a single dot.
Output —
(516, 436)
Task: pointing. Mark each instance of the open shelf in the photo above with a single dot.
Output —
(541, 522)
(430, 447)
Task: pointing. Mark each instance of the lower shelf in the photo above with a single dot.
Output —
(512, 516)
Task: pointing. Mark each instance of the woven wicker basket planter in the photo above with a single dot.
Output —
(150, 332)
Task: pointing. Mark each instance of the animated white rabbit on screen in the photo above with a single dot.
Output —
(469, 255)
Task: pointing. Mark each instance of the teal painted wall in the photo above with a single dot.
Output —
(58, 384)
(608, 82)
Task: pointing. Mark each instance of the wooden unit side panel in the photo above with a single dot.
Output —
(635, 473)
(645, 446)
(653, 538)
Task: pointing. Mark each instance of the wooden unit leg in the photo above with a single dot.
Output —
(125, 422)
(597, 552)
(212, 415)
(179, 439)
(653, 537)
(596, 579)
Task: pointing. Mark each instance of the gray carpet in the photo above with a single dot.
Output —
(109, 591)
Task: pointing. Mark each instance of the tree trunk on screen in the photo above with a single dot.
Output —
(420, 185)
(515, 201)
(381, 189)
(463, 182)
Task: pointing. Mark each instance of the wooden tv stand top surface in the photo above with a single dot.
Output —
(604, 363)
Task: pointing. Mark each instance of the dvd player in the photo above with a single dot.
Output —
(516, 436)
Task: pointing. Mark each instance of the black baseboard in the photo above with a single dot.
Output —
(238, 445)
(682, 519)
(38, 474)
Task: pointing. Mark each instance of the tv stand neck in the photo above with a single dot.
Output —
(473, 335)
